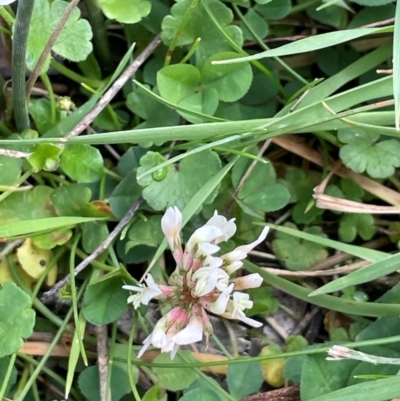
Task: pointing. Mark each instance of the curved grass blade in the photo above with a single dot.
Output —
(364, 275)
(396, 67)
(326, 301)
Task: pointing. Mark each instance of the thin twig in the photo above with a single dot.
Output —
(48, 295)
(102, 360)
(117, 85)
(47, 49)
(14, 153)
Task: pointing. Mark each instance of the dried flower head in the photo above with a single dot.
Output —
(201, 282)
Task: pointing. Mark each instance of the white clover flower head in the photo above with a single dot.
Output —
(202, 281)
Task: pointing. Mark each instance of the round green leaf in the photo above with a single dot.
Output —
(17, 318)
(231, 81)
(82, 163)
(10, 170)
(272, 197)
(257, 23)
(244, 379)
(181, 182)
(105, 301)
(74, 41)
(126, 11)
(177, 82)
(200, 395)
(274, 9)
(89, 383)
(45, 156)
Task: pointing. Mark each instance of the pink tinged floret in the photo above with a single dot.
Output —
(250, 281)
(145, 294)
(192, 333)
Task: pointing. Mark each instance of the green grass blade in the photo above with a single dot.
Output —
(396, 67)
(311, 43)
(364, 275)
(374, 390)
(39, 225)
(359, 251)
(326, 301)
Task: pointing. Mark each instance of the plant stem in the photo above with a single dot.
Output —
(100, 39)
(49, 45)
(6, 16)
(21, 30)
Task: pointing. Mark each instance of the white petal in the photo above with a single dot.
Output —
(247, 248)
(132, 288)
(5, 2)
(192, 333)
(203, 234)
(251, 322)
(205, 248)
(219, 306)
(171, 225)
(228, 227)
(251, 281)
(147, 343)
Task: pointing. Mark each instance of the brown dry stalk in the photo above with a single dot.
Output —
(294, 145)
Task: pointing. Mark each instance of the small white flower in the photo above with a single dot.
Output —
(250, 281)
(219, 306)
(206, 279)
(145, 294)
(247, 248)
(202, 234)
(236, 307)
(228, 228)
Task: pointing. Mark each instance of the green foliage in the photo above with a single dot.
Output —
(45, 156)
(172, 378)
(353, 224)
(274, 9)
(104, 301)
(362, 153)
(244, 379)
(126, 11)
(74, 41)
(89, 383)
(189, 20)
(82, 163)
(297, 254)
(17, 318)
(175, 185)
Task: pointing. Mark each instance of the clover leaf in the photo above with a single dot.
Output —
(126, 11)
(74, 41)
(354, 223)
(175, 185)
(17, 318)
(187, 23)
(362, 152)
(296, 253)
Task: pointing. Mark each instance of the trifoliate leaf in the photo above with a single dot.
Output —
(187, 23)
(125, 11)
(363, 152)
(83, 163)
(355, 223)
(74, 200)
(295, 253)
(45, 156)
(175, 185)
(74, 41)
(17, 318)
